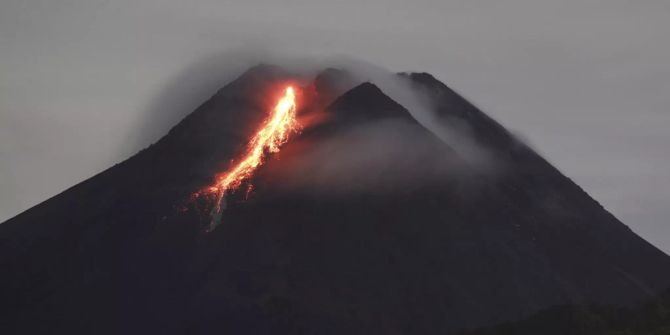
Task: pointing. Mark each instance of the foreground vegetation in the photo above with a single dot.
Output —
(652, 318)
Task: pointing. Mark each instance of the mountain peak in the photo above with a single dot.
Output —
(367, 101)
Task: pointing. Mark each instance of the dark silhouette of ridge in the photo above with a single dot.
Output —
(367, 101)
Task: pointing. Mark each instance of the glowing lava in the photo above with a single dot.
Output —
(274, 133)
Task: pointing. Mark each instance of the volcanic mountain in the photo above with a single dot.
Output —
(364, 222)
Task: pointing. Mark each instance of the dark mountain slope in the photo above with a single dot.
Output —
(364, 223)
(554, 208)
(77, 260)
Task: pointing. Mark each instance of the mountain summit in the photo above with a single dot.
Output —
(364, 222)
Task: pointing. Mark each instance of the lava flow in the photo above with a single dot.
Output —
(268, 139)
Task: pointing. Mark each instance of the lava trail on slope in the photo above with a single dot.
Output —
(275, 132)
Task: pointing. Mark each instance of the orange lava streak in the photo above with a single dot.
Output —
(269, 138)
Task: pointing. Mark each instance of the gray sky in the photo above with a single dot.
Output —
(86, 83)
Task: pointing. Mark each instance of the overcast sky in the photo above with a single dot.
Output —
(86, 83)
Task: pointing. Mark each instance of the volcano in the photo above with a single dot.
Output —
(365, 221)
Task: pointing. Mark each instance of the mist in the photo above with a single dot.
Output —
(381, 157)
